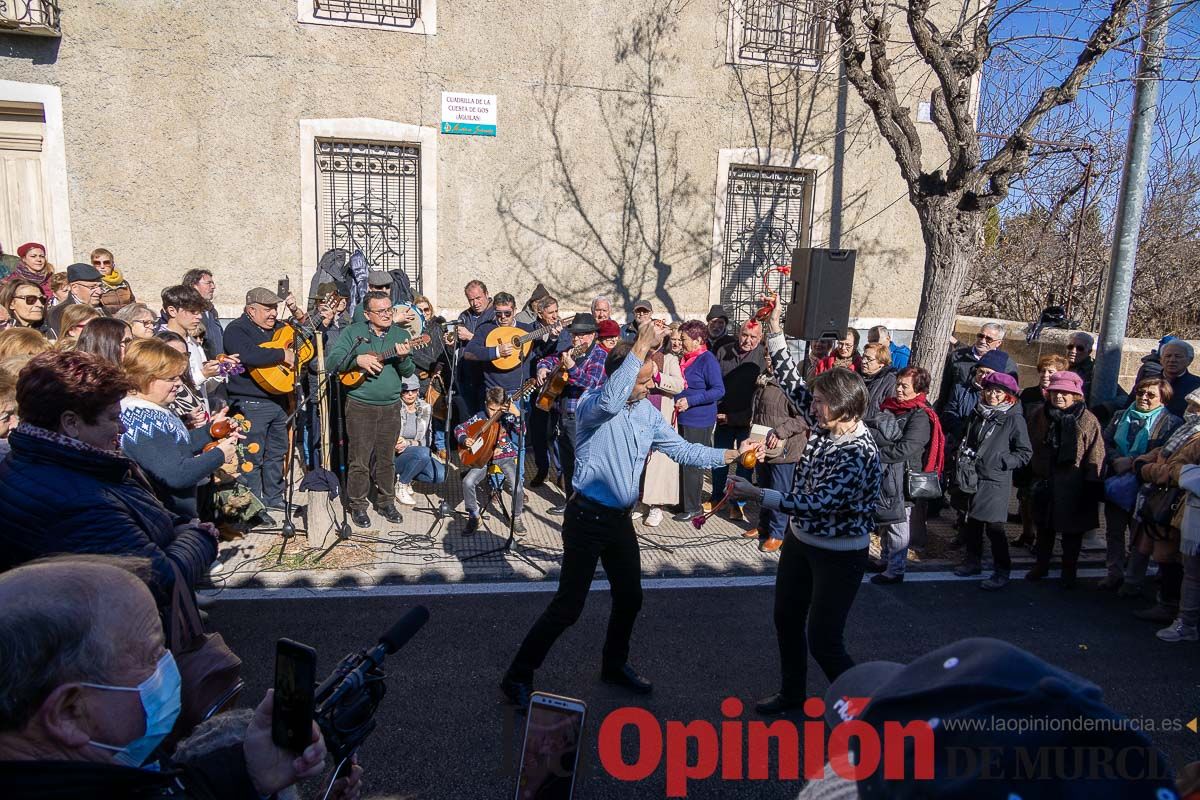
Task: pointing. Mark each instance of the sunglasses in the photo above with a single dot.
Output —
(31, 299)
(985, 338)
(504, 313)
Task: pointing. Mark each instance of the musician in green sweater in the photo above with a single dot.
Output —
(380, 351)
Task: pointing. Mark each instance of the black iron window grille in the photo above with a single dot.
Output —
(30, 16)
(782, 31)
(369, 199)
(767, 215)
(390, 13)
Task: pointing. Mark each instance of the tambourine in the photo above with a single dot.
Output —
(417, 326)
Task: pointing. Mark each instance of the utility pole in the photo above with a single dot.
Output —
(1129, 208)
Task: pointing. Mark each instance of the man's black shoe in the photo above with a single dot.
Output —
(558, 511)
(777, 704)
(264, 520)
(472, 525)
(627, 677)
(538, 480)
(685, 517)
(517, 692)
(360, 519)
(391, 515)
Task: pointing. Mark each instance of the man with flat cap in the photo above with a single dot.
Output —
(83, 283)
(398, 288)
(642, 310)
(584, 364)
(266, 412)
(718, 328)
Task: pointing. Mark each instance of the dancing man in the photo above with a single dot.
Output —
(617, 427)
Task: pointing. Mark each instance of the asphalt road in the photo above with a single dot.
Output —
(444, 731)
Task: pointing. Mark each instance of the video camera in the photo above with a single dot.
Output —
(1053, 316)
(344, 704)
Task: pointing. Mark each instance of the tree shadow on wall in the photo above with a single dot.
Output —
(628, 215)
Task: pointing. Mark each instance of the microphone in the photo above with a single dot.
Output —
(352, 674)
(398, 635)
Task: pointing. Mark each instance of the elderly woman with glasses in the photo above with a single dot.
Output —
(832, 512)
(876, 370)
(155, 437)
(1145, 426)
(25, 305)
(140, 318)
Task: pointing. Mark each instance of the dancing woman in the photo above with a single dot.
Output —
(832, 511)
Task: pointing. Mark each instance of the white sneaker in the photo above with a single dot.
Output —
(404, 494)
(636, 515)
(1178, 632)
(654, 517)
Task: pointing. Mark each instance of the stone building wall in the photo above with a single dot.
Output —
(183, 123)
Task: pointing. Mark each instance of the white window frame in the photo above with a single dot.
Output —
(733, 41)
(374, 130)
(818, 165)
(425, 25)
(54, 164)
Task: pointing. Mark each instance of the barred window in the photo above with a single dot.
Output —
(768, 213)
(778, 31)
(38, 17)
(387, 13)
(369, 199)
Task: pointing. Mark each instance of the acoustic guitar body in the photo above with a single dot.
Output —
(484, 444)
(280, 378)
(352, 378)
(509, 335)
(552, 390)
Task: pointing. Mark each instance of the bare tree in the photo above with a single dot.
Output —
(952, 202)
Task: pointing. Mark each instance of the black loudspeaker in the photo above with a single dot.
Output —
(822, 281)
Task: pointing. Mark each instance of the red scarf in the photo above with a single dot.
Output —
(829, 362)
(937, 439)
(688, 358)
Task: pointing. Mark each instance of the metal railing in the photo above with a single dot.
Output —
(782, 31)
(388, 13)
(36, 17)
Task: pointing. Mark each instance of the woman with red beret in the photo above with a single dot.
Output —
(34, 267)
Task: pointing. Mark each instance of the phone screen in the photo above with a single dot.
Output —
(551, 750)
(295, 679)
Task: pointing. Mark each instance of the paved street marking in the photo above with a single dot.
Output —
(541, 587)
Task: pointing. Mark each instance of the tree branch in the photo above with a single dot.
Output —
(1013, 156)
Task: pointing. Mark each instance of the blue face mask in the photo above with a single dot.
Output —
(160, 706)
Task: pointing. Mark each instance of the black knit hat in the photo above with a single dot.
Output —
(717, 312)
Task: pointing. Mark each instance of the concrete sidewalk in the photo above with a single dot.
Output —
(424, 549)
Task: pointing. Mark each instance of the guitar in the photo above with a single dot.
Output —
(558, 381)
(519, 339)
(354, 377)
(485, 432)
(295, 336)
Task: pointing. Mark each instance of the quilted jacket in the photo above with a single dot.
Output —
(55, 499)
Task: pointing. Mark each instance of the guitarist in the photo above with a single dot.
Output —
(539, 422)
(373, 412)
(266, 412)
(584, 371)
(504, 456)
(507, 380)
